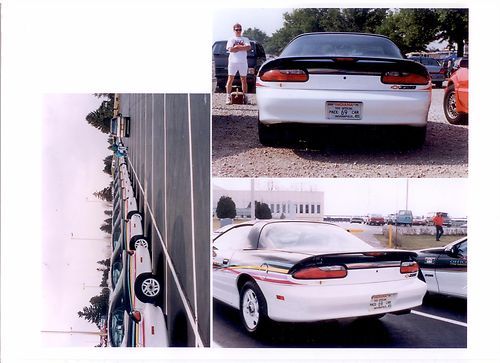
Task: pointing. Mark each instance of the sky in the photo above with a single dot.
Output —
(72, 154)
(267, 20)
(361, 196)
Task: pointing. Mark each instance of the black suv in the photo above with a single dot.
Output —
(256, 56)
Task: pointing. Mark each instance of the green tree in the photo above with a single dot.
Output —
(454, 27)
(108, 212)
(101, 117)
(410, 29)
(300, 21)
(256, 34)
(106, 226)
(262, 211)
(225, 208)
(97, 309)
(105, 194)
(107, 164)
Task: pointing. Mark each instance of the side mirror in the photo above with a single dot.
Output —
(464, 63)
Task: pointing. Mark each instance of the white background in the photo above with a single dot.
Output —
(146, 46)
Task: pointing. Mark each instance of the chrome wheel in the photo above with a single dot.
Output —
(451, 105)
(250, 309)
(150, 287)
(141, 243)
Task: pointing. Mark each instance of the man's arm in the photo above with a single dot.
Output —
(239, 48)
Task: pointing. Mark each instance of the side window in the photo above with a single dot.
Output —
(235, 238)
(462, 249)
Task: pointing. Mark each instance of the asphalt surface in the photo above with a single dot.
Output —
(392, 331)
(358, 152)
(168, 148)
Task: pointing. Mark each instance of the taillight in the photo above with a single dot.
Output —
(285, 75)
(408, 267)
(136, 316)
(405, 78)
(323, 272)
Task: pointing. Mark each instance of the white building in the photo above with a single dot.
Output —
(289, 204)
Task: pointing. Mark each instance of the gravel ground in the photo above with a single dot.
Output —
(237, 152)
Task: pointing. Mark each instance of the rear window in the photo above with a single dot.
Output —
(351, 45)
(426, 61)
(303, 237)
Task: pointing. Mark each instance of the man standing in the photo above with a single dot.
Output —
(438, 222)
(237, 62)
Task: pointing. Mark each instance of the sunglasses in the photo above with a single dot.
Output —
(237, 30)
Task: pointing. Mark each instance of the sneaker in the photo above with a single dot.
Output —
(228, 99)
(245, 99)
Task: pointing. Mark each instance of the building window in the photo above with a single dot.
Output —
(277, 208)
(301, 209)
(312, 209)
(284, 208)
(272, 208)
(307, 208)
(318, 210)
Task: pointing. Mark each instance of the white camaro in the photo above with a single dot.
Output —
(342, 79)
(297, 271)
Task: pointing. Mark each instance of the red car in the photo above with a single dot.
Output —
(456, 95)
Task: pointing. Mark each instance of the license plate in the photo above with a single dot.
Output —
(343, 110)
(381, 302)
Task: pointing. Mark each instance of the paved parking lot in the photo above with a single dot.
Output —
(170, 167)
(237, 152)
(441, 322)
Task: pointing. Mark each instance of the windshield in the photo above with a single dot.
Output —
(309, 237)
(350, 45)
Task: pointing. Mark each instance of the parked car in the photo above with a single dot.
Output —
(357, 220)
(299, 271)
(375, 220)
(419, 221)
(391, 219)
(445, 268)
(456, 95)
(342, 79)
(132, 320)
(435, 69)
(256, 56)
(120, 126)
(404, 217)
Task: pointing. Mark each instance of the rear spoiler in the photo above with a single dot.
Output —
(346, 258)
(346, 63)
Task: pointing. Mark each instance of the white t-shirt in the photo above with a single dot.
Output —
(241, 56)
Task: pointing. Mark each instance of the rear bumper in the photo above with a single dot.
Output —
(307, 303)
(309, 106)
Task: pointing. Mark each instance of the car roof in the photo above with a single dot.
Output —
(341, 33)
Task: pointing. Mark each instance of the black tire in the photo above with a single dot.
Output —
(136, 240)
(132, 212)
(450, 108)
(253, 309)
(267, 134)
(147, 288)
